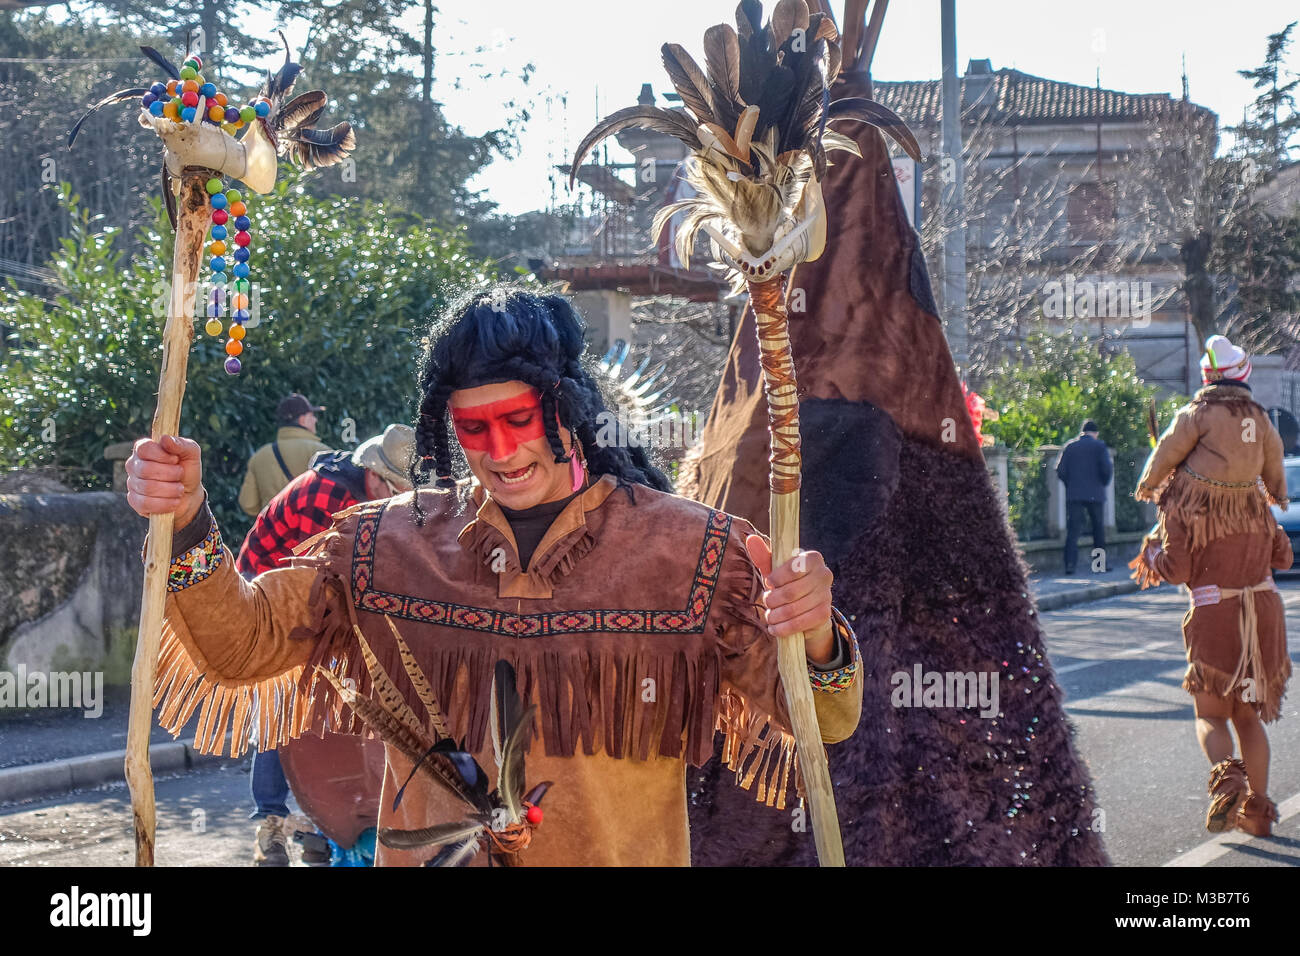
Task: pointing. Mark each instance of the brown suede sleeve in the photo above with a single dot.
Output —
(237, 652)
(1273, 473)
(1174, 561)
(1173, 447)
(242, 629)
(1283, 556)
(749, 666)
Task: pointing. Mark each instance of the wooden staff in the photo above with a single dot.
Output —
(178, 335)
(781, 391)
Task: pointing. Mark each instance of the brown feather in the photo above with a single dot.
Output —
(422, 689)
(788, 16)
(722, 60)
(302, 110)
(869, 111)
(677, 125)
(725, 141)
(689, 81)
(385, 692)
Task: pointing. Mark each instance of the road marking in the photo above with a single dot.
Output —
(1132, 651)
(1211, 850)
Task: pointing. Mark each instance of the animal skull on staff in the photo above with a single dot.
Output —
(200, 149)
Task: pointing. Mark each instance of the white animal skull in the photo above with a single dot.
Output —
(252, 160)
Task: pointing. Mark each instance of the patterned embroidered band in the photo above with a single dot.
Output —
(1213, 594)
(197, 563)
(841, 679)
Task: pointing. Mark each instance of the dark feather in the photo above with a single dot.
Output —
(1153, 423)
(457, 854)
(279, 85)
(722, 60)
(167, 65)
(774, 101)
(689, 81)
(757, 59)
(513, 729)
(314, 148)
(303, 110)
(534, 796)
(674, 124)
(439, 833)
(869, 111)
(118, 97)
(467, 767)
(463, 764)
(749, 18)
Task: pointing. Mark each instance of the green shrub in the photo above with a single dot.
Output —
(1044, 394)
(344, 286)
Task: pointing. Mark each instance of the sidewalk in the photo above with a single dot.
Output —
(52, 750)
(1054, 590)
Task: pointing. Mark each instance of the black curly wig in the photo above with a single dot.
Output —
(506, 333)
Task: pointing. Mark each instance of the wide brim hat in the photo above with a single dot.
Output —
(389, 455)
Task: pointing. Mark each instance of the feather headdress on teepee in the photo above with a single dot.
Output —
(757, 128)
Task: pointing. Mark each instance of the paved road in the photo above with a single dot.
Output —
(1120, 662)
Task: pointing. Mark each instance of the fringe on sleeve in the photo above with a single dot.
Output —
(752, 715)
(282, 706)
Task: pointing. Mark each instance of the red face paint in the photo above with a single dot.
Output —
(498, 428)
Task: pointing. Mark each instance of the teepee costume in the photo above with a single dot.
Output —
(897, 496)
(1214, 473)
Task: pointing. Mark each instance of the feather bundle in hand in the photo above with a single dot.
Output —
(502, 820)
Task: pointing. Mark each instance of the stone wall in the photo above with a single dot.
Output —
(70, 584)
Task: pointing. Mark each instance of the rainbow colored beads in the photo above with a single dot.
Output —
(224, 203)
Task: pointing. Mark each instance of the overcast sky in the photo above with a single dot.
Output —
(603, 50)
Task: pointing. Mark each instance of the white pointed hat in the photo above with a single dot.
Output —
(1224, 361)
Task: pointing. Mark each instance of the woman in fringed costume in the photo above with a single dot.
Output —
(1217, 536)
(634, 621)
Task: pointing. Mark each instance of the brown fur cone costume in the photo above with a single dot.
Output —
(925, 564)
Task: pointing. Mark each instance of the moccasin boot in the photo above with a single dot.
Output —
(1257, 815)
(1228, 788)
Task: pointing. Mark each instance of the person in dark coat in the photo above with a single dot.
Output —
(1086, 470)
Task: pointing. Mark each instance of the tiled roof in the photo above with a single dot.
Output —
(1024, 99)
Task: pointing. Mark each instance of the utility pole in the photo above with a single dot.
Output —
(953, 195)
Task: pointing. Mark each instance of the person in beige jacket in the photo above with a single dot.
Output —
(1213, 474)
(277, 463)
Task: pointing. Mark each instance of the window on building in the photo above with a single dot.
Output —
(1091, 211)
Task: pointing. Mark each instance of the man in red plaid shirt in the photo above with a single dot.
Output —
(333, 482)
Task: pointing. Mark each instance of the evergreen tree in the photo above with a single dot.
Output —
(1271, 120)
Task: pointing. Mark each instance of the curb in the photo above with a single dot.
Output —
(1084, 595)
(91, 770)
